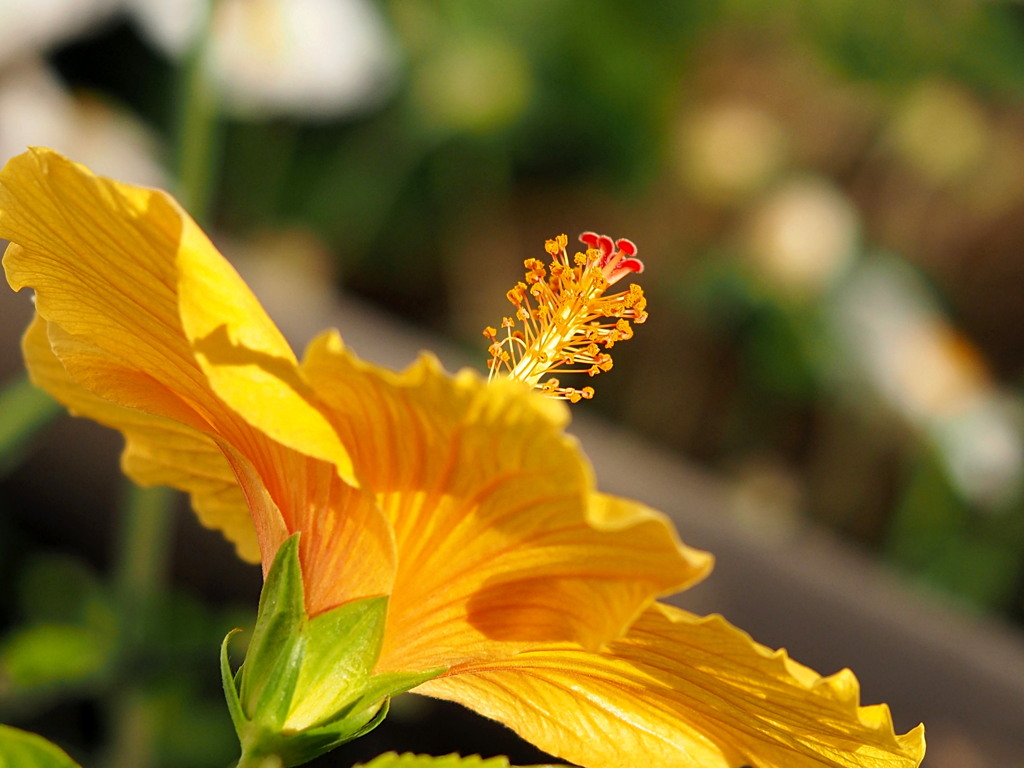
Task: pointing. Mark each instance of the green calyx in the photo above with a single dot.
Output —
(307, 684)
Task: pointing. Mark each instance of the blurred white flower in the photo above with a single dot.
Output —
(169, 26)
(32, 26)
(313, 58)
(917, 362)
(982, 448)
(928, 372)
(36, 110)
(802, 236)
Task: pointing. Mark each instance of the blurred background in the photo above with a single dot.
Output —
(828, 197)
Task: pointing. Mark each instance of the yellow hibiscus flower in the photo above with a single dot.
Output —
(460, 499)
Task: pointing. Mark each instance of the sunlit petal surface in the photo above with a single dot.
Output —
(681, 691)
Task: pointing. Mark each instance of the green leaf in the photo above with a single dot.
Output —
(47, 655)
(938, 537)
(407, 760)
(21, 749)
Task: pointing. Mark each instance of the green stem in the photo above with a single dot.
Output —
(139, 581)
(198, 140)
(134, 719)
(249, 760)
(143, 552)
(270, 761)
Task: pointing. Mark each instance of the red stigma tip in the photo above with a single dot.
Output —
(589, 239)
(628, 247)
(633, 265)
(606, 245)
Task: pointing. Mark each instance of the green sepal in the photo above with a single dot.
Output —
(230, 683)
(339, 648)
(301, 747)
(391, 684)
(274, 656)
(357, 718)
(21, 749)
(307, 685)
(408, 760)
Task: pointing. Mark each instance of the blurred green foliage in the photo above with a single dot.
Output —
(149, 666)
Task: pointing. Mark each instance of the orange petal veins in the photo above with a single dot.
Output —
(501, 541)
(346, 550)
(682, 691)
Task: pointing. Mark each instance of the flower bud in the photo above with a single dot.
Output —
(307, 684)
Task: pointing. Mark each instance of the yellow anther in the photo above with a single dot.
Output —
(561, 315)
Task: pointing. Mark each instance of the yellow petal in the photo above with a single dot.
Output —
(257, 492)
(501, 540)
(126, 270)
(257, 502)
(158, 451)
(681, 691)
(142, 312)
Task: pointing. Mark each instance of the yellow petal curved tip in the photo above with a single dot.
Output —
(246, 359)
(655, 537)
